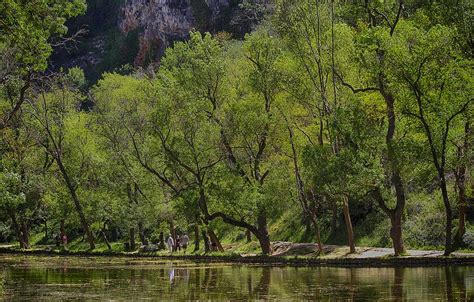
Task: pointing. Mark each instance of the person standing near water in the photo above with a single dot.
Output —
(170, 243)
(184, 242)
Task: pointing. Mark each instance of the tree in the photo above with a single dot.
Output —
(309, 32)
(436, 90)
(382, 21)
(12, 199)
(28, 32)
(53, 115)
(120, 112)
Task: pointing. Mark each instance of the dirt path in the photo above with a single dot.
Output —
(335, 251)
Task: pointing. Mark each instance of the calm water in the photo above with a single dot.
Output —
(59, 278)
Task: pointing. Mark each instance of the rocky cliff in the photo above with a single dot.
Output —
(162, 21)
(138, 31)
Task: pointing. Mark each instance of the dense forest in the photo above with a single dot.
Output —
(334, 122)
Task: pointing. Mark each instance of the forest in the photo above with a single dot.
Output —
(333, 122)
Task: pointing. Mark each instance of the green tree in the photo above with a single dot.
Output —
(436, 89)
(28, 32)
(57, 127)
(314, 40)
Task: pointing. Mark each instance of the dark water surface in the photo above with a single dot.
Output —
(115, 279)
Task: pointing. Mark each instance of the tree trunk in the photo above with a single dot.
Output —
(265, 244)
(141, 233)
(106, 240)
(62, 232)
(248, 235)
(114, 233)
(460, 174)
(46, 229)
(262, 234)
(17, 229)
(458, 238)
(161, 242)
(77, 203)
(309, 215)
(24, 233)
(196, 238)
(333, 218)
(307, 221)
(104, 235)
(391, 167)
(207, 247)
(395, 216)
(215, 241)
(62, 229)
(396, 234)
(347, 218)
(449, 215)
(131, 238)
(316, 230)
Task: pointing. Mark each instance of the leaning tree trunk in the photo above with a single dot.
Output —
(104, 235)
(77, 204)
(347, 218)
(106, 240)
(207, 246)
(215, 241)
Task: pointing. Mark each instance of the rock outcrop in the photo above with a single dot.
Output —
(121, 32)
(160, 22)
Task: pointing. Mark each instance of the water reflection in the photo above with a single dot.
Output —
(86, 279)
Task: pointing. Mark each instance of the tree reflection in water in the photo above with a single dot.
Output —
(27, 278)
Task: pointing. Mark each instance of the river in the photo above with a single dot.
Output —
(27, 278)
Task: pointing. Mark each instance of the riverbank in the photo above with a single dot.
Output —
(335, 256)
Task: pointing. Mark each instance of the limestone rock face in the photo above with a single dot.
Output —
(163, 21)
(122, 32)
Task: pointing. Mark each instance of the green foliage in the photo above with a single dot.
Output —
(329, 109)
(425, 226)
(11, 190)
(28, 26)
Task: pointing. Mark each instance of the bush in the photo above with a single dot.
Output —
(468, 239)
(424, 222)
